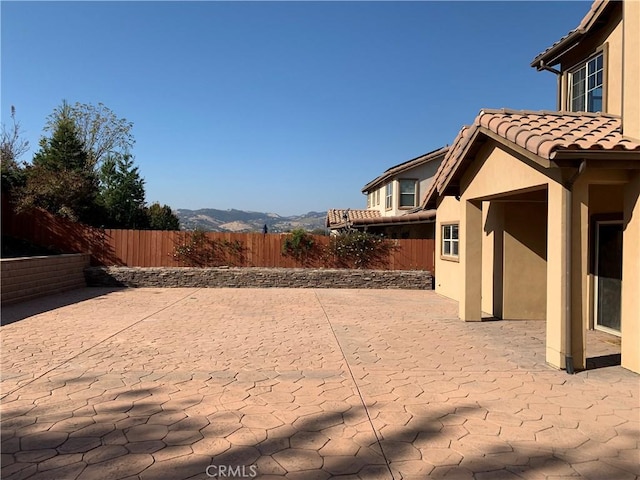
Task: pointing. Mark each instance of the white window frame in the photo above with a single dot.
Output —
(450, 244)
(378, 197)
(388, 196)
(590, 70)
(415, 192)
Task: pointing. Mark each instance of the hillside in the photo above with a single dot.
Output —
(213, 220)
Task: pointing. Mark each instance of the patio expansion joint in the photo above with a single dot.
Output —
(55, 367)
(355, 383)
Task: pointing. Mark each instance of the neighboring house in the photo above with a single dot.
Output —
(538, 213)
(394, 201)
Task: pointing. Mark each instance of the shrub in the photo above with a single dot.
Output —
(300, 245)
(356, 249)
(197, 249)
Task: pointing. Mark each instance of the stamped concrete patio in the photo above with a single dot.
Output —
(298, 384)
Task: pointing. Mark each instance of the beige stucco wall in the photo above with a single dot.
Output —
(447, 274)
(525, 263)
(495, 171)
(631, 80)
(492, 258)
(514, 259)
(631, 276)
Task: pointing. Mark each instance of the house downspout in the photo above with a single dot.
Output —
(568, 346)
(543, 66)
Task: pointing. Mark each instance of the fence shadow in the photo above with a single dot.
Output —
(19, 311)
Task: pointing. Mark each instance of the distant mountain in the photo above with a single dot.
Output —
(213, 220)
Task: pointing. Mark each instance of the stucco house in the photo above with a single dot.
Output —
(394, 201)
(538, 212)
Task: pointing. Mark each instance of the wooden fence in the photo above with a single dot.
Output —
(153, 248)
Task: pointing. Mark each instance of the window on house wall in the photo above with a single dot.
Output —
(408, 193)
(388, 199)
(586, 86)
(450, 240)
(378, 197)
(369, 200)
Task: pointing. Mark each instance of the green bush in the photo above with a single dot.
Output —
(300, 245)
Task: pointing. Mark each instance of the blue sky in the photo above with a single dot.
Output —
(284, 107)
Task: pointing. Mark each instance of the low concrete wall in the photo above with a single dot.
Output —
(26, 278)
(256, 278)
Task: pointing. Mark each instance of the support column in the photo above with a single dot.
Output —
(471, 261)
(630, 321)
(579, 269)
(557, 275)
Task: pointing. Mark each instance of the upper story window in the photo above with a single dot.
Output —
(408, 193)
(388, 196)
(369, 198)
(586, 86)
(378, 197)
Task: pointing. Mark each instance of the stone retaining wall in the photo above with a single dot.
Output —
(256, 278)
(26, 278)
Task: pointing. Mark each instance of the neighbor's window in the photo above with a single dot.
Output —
(378, 197)
(369, 196)
(586, 86)
(388, 199)
(408, 193)
(450, 240)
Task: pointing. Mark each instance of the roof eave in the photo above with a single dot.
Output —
(408, 165)
(469, 143)
(598, 158)
(552, 56)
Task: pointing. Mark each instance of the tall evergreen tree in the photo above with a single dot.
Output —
(64, 150)
(162, 218)
(122, 193)
(61, 178)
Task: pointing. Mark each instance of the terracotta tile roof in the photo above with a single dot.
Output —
(404, 166)
(335, 217)
(545, 134)
(551, 54)
(415, 217)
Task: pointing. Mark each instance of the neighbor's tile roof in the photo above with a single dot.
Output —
(597, 7)
(414, 217)
(544, 134)
(335, 217)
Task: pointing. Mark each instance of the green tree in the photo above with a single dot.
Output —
(162, 217)
(61, 178)
(122, 193)
(100, 130)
